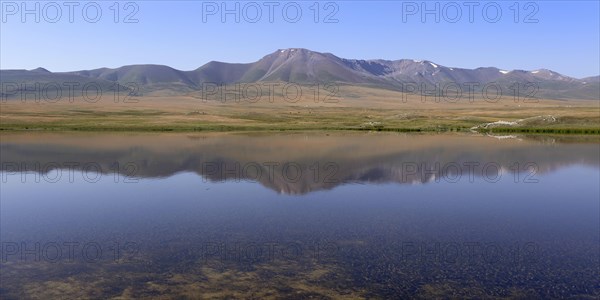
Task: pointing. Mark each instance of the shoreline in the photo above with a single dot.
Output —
(227, 128)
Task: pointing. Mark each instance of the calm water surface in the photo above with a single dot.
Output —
(321, 215)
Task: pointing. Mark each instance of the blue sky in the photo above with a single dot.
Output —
(566, 37)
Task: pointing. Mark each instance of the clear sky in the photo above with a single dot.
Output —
(188, 34)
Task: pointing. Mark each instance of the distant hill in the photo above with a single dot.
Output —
(41, 83)
(303, 66)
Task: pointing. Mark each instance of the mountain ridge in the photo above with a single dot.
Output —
(303, 66)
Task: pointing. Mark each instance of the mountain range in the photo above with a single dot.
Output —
(304, 66)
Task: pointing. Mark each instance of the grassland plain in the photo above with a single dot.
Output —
(345, 108)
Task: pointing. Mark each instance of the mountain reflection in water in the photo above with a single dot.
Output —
(299, 163)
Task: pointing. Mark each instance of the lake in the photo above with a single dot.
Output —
(299, 215)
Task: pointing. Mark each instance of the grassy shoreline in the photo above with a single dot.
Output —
(357, 109)
(228, 128)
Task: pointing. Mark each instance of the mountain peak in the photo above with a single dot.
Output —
(293, 50)
(40, 70)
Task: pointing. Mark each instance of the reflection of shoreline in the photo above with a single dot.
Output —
(503, 137)
(297, 163)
